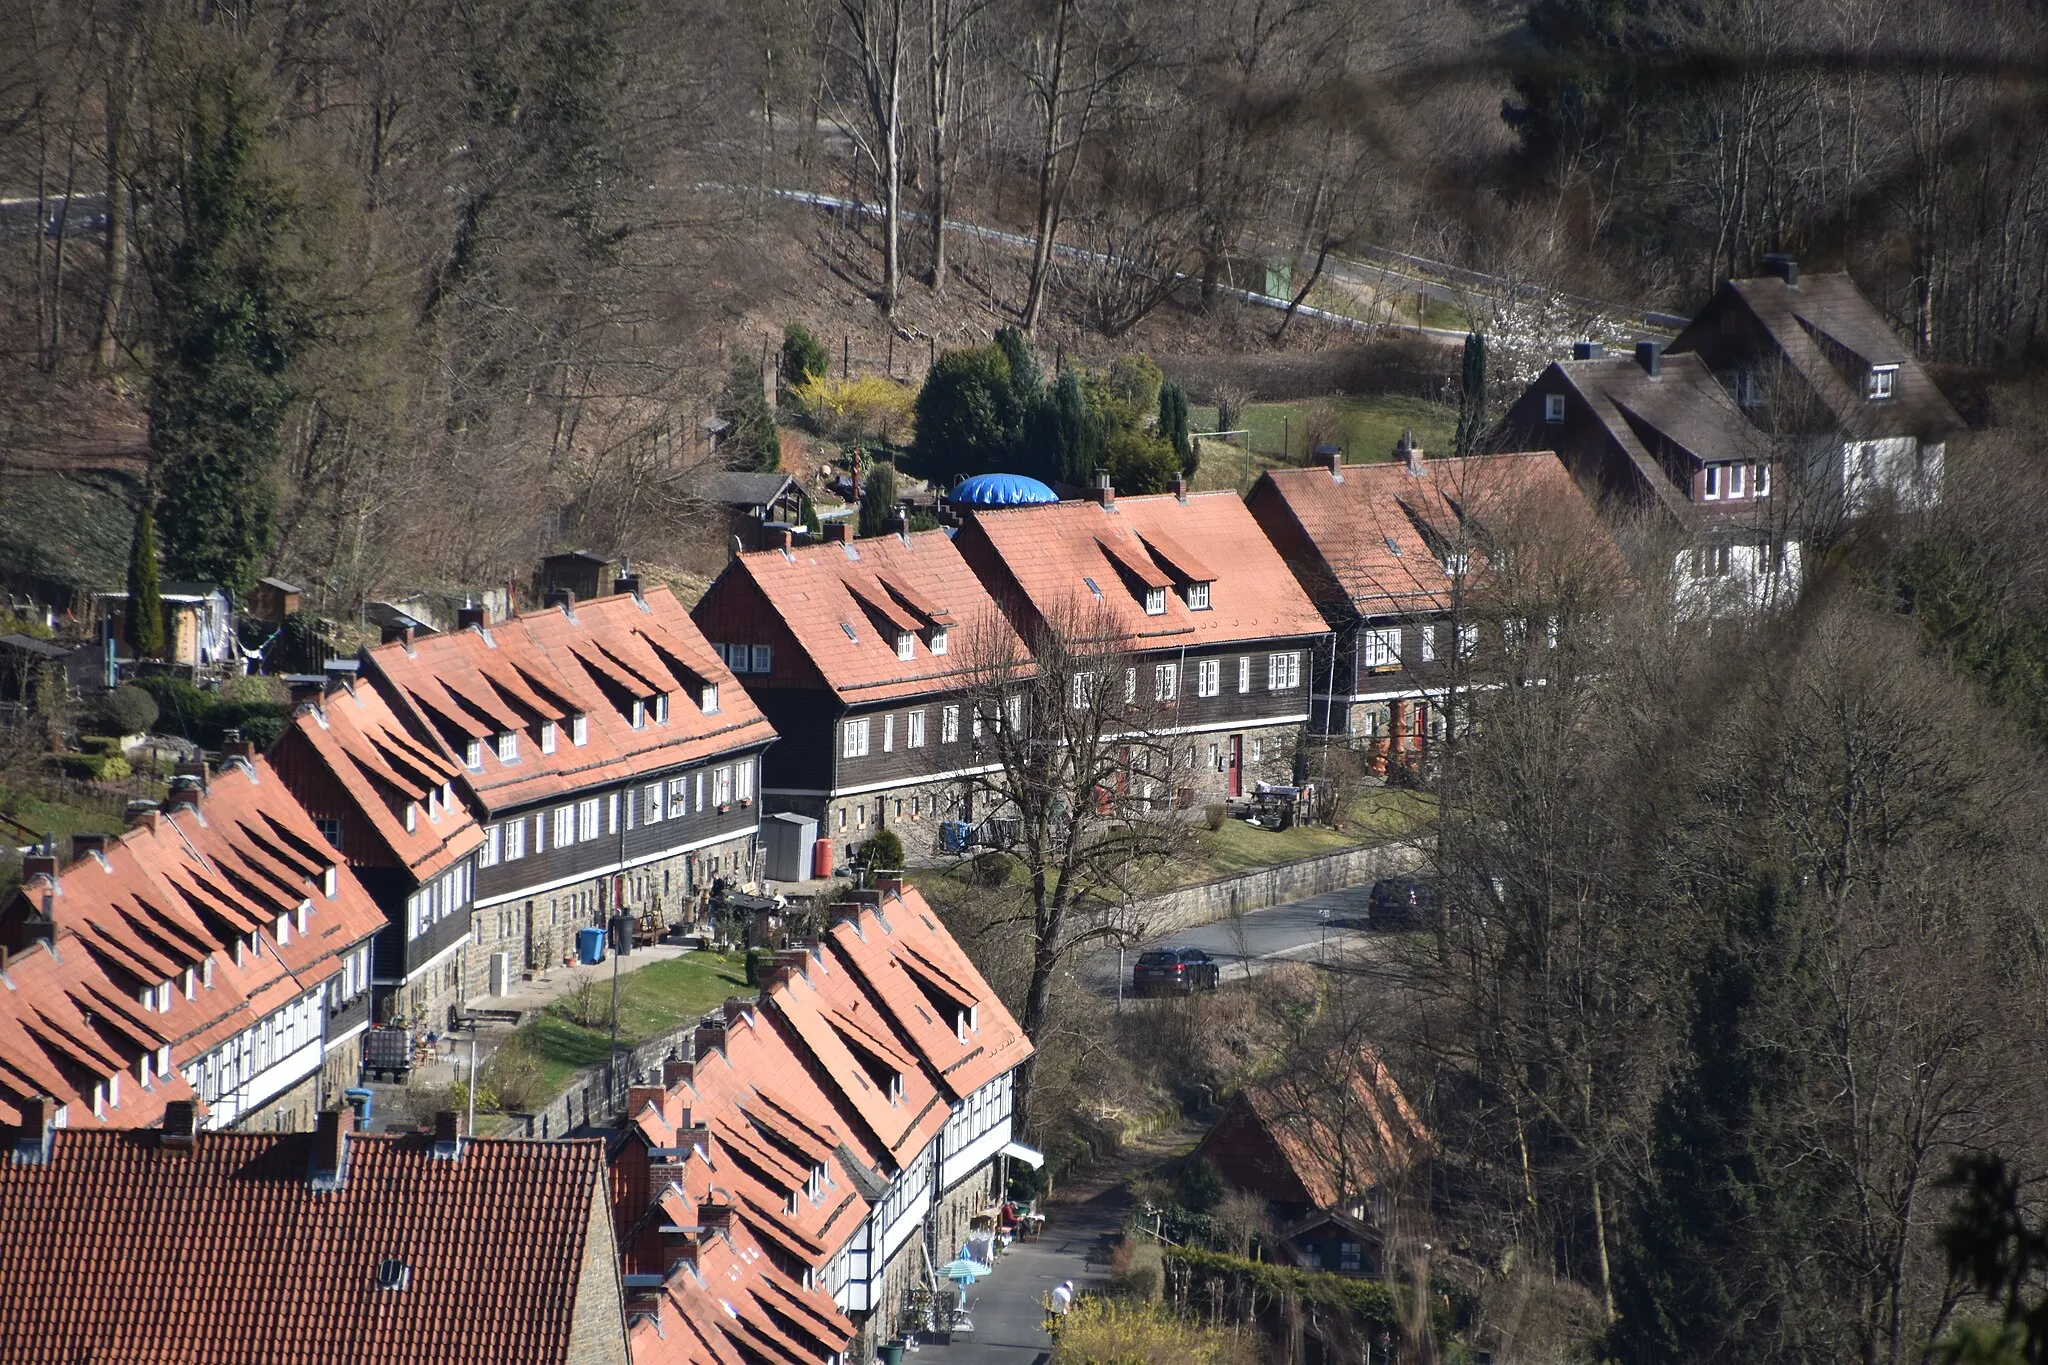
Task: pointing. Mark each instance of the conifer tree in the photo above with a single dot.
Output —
(877, 499)
(751, 441)
(1472, 395)
(1173, 427)
(144, 628)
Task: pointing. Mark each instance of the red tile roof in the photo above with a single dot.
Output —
(544, 666)
(1335, 1131)
(178, 891)
(843, 603)
(354, 735)
(1365, 536)
(1051, 552)
(117, 1249)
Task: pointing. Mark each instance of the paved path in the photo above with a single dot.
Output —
(1294, 931)
(1009, 1321)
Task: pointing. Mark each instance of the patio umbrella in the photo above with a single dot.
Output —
(964, 1269)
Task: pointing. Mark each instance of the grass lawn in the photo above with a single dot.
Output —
(45, 817)
(1367, 428)
(652, 1000)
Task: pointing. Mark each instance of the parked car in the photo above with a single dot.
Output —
(1174, 971)
(1400, 903)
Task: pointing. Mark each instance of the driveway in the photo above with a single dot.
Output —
(1009, 1317)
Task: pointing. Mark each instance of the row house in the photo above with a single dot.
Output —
(386, 799)
(1812, 361)
(1219, 635)
(859, 652)
(172, 1243)
(605, 751)
(218, 950)
(1396, 558)
(836, 1136)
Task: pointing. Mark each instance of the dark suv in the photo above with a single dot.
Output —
(1174, 971)
(1400, 903)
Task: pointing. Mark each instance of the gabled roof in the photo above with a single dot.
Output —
(1683, 409)
(1376, 534)
(594, 659)
(119, 1249)
(737, 488)
(843, 603)
(1830, 334)
(355, 736)
(180, 889)
(1053, 553)
(1328, 1133)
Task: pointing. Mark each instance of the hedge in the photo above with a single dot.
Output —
(205, 717)
(1367, 1299)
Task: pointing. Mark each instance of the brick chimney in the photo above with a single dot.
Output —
(715, 1218)
(88, 842)
(709, 1038)
(193, 769)
(564, 598)
(184, 795)
(889, 886)
(396, 635)
(843, 912)
(1329, 457)
(181, 1127)
(1180, 487)
(780, 539)
(1103, 491)
(233, 745)
(626, 583)
(838, 532)
(473, 615)
(678, 1245)
(330, 1145)
(39, 864)
(307, 693)
(738, 1010)
(675, 1071)
(638, 1097)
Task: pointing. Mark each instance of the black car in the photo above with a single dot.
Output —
(1400, 903)
(1174, 971)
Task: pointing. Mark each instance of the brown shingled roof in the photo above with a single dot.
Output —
(117, 1249)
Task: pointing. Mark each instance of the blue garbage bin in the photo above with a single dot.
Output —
(590, 945)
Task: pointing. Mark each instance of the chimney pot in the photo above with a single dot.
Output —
(1104, 491)
(838, 532)
(1650, 355)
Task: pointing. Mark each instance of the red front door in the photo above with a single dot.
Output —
(1236, 769)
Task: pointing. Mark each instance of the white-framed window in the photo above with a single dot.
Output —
(939, 641)
(1711, 561)
(589, 819)
(1244, 674)
(913, 730)
(1425, 641)
(1130, 685)
(661, 708)
(1468, 641)
(473, 755)
(1712, 484)
(1013, 707)
(763, 658)
(494, 846)
(721, 786)
(743, 779)
(515, 839)
(547, 736)
(1165, 682)
(905, 650)
(1382, 647)
(565, 826)
(1081, 690)
(639, 716)
(1760, 478)
(949, 725)
(1283, 671)
(1737, 484)
(651, 805)
(508, 746)
(1882, 378)
(679, 796)
(579, 729)
(1208, 677)
(1155, 601)
(853, 739)
(1553, 407)
(707, 700)
(1198, 596)
(412, 816)
(889, 733)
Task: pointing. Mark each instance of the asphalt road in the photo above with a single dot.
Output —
(1298, 930)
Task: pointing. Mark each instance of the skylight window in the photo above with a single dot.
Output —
(1092, 588)
(848, 628)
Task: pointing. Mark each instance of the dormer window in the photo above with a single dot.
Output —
(412, 816)
(938, 639)
(1198, 597)
(299, 918)
(330, 882)
(661, 708)
(547, 736)
(508, 746)
(1882, 377)
(282, 929)
(708, 699)
(473, 755)
(639, 716)
(579, 729)
(1155, 601)
(904, 648)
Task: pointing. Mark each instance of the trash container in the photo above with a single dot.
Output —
(890, 1353)
(590, 945)
(821, 859)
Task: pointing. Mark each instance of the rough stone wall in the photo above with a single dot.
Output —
(1208, 902)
